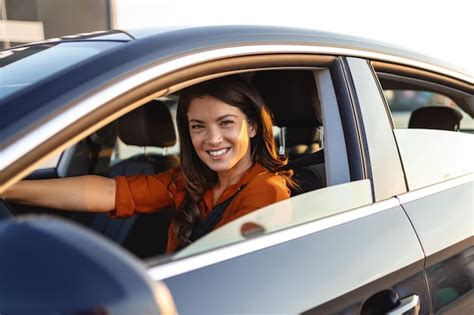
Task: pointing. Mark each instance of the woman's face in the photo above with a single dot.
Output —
(220, 134)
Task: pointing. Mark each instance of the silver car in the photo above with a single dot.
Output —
(381, 140)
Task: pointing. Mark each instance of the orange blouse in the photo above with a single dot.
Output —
(149, 193)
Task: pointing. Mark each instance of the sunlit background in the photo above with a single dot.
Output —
(440, 29)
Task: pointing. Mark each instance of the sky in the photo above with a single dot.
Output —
(438, 29)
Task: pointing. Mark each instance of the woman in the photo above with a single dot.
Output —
(228, 168)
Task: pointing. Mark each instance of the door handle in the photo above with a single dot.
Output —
(408, 306)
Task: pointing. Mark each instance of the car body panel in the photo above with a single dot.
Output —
(448, 207)
(443, 217)
(373, 244)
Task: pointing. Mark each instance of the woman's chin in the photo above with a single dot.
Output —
(219, 166)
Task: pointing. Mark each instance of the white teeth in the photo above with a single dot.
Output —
(218, 152)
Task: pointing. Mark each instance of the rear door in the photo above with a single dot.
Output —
(440, 178)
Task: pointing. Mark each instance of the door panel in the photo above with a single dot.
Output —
(382, 295)
(442, 215)
(296, 275)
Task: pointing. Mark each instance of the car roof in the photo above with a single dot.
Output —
(293, 35)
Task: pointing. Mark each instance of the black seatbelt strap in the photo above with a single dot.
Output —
(212, 218)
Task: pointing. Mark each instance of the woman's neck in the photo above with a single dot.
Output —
(232, 176)
(226, 179)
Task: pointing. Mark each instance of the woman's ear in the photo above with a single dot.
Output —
(252, 129)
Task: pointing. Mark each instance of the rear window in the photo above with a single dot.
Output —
(403, 102)
(23, 66)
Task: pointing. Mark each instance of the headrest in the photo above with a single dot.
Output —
(148, 125)
(435, 117)
(301, 135)
(291, 96)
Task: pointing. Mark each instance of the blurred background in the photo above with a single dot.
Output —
(439, 29)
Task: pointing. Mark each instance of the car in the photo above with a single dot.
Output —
(382, 221)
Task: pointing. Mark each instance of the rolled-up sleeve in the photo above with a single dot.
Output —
(142, 194)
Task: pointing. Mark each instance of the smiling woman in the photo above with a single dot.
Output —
(230, 139)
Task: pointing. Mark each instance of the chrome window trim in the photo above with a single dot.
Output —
(174, 268)
(56, 124)
(435, 188)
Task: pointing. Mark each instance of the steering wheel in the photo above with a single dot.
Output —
(6, 211)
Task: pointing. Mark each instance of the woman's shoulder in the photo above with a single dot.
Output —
(266, 180)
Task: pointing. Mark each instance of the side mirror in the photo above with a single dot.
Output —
(50, 266)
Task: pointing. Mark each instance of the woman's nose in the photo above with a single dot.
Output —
(213, 136)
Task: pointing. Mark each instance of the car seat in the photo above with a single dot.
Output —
(435, 117)
(301, 141)
(292, 97)
(150, 125)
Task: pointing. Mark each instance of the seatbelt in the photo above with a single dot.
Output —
(211, 220)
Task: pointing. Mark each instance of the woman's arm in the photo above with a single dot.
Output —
(83, 193)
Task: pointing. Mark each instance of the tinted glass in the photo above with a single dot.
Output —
(403, 102)
(23, 66)
(285, 214)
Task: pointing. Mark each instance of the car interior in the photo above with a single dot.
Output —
(144, 142)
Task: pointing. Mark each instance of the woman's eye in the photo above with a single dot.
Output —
(227, 122)
(197, 127)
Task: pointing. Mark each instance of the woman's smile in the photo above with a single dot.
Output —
(217, 154)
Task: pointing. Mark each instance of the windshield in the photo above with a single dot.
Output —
(22, 66)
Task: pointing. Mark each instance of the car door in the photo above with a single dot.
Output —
(439, 171)
(346, 248)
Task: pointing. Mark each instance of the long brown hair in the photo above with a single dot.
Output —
(198, 178)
